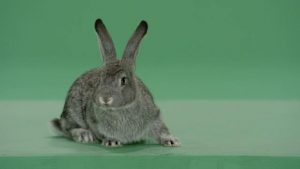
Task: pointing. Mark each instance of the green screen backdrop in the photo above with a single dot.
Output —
(208, 49)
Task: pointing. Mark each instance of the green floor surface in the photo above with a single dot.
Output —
(214, 134)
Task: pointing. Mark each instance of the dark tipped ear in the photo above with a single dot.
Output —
(133, 44)
(106, 44)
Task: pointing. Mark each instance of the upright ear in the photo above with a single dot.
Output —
(132, 46)
(106, 44)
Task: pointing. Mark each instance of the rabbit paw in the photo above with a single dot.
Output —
(170, 141)
(111, 143)
(82, 136)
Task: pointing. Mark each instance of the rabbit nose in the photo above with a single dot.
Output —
(106, 100)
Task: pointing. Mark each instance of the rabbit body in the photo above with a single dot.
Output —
(111, 104)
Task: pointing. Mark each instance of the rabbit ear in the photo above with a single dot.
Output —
(106, 44)
(132, 46)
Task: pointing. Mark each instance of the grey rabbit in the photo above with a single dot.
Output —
(110, 104)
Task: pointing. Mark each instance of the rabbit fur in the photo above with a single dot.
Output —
(111, 104)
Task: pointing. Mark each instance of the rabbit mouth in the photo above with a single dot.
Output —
(106, 101)
(113, 107)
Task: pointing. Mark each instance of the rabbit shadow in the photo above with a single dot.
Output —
(62, 142)
(132, 147)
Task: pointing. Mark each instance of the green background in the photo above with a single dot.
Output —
(208, 49)
(226, 75)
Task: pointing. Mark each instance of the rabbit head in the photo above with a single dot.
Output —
(117, 86)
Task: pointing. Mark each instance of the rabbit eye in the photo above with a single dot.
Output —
(123, 81)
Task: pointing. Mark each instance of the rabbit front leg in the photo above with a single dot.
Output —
(82, 135)
(108, 142)
(159, 131)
